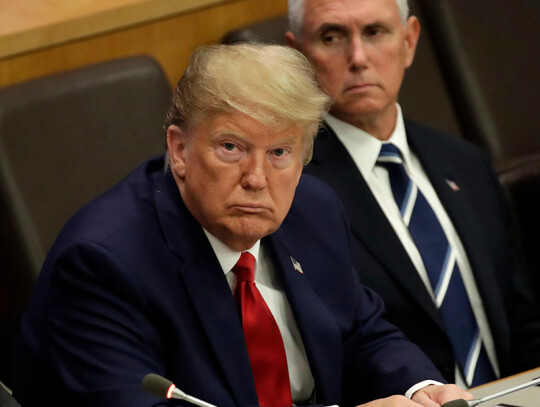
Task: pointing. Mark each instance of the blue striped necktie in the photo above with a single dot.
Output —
(439, 259)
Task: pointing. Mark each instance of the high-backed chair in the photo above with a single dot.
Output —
(63, 140)
(520, 177)
(488, 54)
(270, 31)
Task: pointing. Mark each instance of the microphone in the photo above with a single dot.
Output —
(161, 387)
(475, 402)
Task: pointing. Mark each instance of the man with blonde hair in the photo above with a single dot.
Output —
(227, 272)
(432, 233)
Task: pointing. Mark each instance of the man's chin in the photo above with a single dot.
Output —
(242, 236)
(360, 110)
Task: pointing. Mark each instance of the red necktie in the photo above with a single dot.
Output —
(264, 343)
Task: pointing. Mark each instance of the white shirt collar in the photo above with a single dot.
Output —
(226, 256)
(363, 147)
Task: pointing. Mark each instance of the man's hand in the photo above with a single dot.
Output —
(393, 401)
(429, 396)
(435, 396)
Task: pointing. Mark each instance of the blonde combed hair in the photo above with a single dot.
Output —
(272, 84)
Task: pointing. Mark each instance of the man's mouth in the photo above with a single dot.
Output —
(251, 208)
(359, 87)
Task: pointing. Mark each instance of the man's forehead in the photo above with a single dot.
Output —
(344, 12)
(240, 126)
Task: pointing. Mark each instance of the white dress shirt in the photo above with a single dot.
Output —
(300, 377)
(364, 150)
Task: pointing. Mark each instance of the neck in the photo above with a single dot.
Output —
(381, 125)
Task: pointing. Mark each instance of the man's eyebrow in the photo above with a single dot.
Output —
(345, 28)
(284, 141)
(332, 26)
(377, 23)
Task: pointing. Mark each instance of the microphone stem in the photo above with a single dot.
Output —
(196, 401)
(510, 390)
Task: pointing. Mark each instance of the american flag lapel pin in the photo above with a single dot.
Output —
(297, 266)
(453, 186)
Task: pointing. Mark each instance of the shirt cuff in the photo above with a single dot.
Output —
(421, 385)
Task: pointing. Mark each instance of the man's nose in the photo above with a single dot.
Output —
(254, 174)
(357, 53)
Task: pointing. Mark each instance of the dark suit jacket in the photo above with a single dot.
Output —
(132, 286)
(482, 220)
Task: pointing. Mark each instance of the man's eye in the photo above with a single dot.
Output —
(229, 151)
(229, 146)
(279, 152)
(331, 38)
(374, 31)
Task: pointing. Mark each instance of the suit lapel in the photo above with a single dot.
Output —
(215, 307)
(208, 290)
(368, 222)
(320, 336)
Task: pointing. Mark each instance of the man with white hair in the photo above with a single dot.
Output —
(426, 206)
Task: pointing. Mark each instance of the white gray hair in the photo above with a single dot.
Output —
(296, 14)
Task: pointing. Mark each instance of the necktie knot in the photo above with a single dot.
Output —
(389, 154)
(391, 159)
(245, 267)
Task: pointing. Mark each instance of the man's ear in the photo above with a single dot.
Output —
(292, 40)
(412, 33)
(176, 145)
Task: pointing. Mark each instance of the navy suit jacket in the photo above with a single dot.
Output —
(481, 217)
(132, 286)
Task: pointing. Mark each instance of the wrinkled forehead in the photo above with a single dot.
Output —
(251, 129)
(318, 13)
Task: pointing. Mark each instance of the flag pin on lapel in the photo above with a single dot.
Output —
(453, 186)
(297, 266)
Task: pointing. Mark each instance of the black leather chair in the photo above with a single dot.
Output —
(487, 51)
(270, 31)
(520, 178)
(63, 140)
